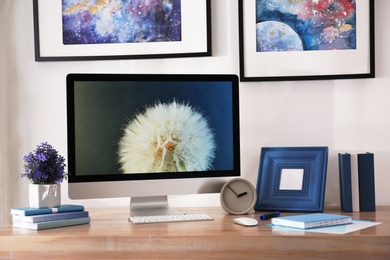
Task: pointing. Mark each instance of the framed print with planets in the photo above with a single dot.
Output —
(105, 30)
(306, 39)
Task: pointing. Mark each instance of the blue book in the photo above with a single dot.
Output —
(40, 211)
(345, 182)
(312, 220)
(51, 224)
(366, 182)
(50, 217)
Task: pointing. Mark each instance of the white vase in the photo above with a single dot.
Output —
(44, 195)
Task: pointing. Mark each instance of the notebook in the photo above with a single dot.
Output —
(312, 220)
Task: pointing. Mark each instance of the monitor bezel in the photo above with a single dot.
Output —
(74, 178)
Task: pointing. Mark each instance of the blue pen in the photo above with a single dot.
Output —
(270, 215)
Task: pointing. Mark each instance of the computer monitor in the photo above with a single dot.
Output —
(149, 136)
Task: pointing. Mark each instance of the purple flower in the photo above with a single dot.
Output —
(44, 165)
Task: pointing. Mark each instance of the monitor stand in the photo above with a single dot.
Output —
(151, 206)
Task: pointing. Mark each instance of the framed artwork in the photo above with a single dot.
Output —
(292, 179)
(306, 40)
(70, 30)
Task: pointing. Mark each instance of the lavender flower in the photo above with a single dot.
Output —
(44, 165)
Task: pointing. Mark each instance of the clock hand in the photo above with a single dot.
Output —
(242, 194)
(233, 190)
(238, 195)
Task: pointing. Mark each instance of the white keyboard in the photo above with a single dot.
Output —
(169, 218)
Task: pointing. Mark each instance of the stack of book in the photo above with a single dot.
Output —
(357, 182)
(44, 218)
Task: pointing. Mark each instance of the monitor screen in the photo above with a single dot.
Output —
(136, 133)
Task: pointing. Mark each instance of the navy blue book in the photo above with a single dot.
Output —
(345, 182)
(50, 217)
(366, 182)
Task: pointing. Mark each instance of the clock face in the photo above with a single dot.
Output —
(238, 196)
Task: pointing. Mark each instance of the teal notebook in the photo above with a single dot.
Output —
(312, 220)
(41, 211)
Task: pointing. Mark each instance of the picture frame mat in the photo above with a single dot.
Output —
(50, 34)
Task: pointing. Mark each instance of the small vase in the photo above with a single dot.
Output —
(44, 195)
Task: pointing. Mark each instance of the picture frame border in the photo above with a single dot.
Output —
(39, 57)
(368, 74)
(313, 160)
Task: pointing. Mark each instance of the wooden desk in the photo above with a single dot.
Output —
(110, 236)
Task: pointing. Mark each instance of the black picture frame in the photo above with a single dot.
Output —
(292, 179)
(306, 65)
(49, 45)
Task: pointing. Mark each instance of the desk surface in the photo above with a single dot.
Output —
(110, 235)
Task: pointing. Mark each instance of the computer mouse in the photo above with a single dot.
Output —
(245, 221)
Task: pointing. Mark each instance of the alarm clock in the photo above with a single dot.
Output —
(238, 196)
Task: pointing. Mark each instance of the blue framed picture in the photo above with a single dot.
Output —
(292, 179)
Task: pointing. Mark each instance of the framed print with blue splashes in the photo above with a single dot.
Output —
(306, 39)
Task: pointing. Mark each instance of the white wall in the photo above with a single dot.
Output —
(346, 115)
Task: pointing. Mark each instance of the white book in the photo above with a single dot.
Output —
(312, 220)
(355, 182)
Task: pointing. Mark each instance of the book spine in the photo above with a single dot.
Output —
(41, 211)
(328, 223)
(29, 212)
(355, 183)
(366, 182)
(50, 217)
(52, 224)
(345, 182)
